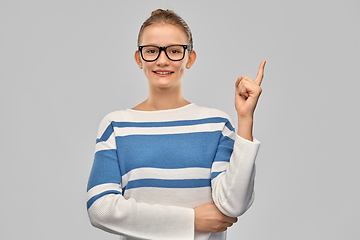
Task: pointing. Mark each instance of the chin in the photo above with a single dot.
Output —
(165, 84)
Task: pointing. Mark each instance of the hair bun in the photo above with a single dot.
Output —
(157, 11)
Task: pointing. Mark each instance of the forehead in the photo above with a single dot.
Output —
(163, 35)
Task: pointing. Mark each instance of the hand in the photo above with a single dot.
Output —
(209, 219)
(247, 93)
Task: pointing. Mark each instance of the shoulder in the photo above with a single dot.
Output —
(107, 121)
(211, 112)
(114, 116)
(215, 115)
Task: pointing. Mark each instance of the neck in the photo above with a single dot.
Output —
(163, 99)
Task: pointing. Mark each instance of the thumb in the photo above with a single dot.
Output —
(237, 84)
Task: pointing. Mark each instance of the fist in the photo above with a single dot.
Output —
(247, 92)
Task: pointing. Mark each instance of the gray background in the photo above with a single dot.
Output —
(65, 64)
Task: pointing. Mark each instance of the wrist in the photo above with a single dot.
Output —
(245, 127)
(245, 118)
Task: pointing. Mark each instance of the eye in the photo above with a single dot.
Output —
(175, 50)
(150, 50)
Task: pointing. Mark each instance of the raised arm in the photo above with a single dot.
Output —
(233, 170)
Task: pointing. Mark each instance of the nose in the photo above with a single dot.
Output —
(163, 59)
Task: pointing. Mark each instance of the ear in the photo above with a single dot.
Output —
(191, 60)
(138, 59)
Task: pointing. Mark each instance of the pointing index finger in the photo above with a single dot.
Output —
(260, 74)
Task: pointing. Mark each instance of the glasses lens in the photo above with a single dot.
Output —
(175, 52)
(150, 53)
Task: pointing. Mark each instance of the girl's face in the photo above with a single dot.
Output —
(164, 73)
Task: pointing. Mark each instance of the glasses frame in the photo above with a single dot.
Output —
(188, 47)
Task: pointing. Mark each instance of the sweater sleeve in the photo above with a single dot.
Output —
(233, 173)
(111, 212)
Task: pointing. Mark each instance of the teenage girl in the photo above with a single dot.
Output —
(167, 168)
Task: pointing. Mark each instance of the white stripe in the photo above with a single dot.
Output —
(208, 127)
(157, 173)
(106, 145)
(102, 188)
(182, 197)
(219, 166)
(191, 112)
(228, 133)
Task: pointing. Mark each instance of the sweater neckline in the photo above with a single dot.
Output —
(160, 111)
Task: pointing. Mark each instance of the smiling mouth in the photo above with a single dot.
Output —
(162, 72)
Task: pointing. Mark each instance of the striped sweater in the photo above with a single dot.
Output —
(151, 168)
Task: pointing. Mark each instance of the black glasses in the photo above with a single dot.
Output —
(150, 53)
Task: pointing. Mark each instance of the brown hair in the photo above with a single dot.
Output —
(167, 16)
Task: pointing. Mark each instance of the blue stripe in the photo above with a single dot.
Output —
(229, 126)
(94, 198)
(107, 133)
(215, 174)
(161, 183)
(172, 151)
(225, 149)
(171, 123)
(105, 169)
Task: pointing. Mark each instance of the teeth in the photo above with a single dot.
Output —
(163, 73)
